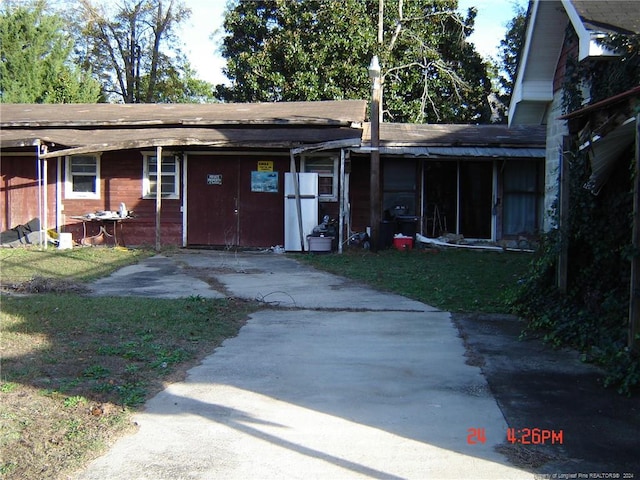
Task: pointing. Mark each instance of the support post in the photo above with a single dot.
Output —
(342, 201)
(296, 189)
(563, 214)
(374, 181)
(158, 195)
(634, 296)
(44, 225)
(40, 193)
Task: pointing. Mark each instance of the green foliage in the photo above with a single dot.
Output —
(132, 47)
(509, 56)
(319, 50)
(73, 402)
(36, 57)
(593, 314)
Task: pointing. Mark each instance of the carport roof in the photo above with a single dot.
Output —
(340, 112)
(458, 141)
(87, 128)
(432, 135)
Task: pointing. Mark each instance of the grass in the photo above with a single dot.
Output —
(18, 265)
(74, 368)
(452, 280)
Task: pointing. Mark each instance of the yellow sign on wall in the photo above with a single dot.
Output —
(265, 166)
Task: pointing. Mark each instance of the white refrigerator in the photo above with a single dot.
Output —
(308, 192)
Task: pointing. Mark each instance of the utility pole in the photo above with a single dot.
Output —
(634, 298)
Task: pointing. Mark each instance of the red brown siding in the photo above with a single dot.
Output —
(121, 175)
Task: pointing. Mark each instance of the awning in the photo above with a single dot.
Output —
(78, 141)
(459, 152)
(604, 153)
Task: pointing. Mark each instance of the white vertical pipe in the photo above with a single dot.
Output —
(58, 194)
(45, 201)
(457, 197)
(342, 202)
(158, 194)
(39, 174)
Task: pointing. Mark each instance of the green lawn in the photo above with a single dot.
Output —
(74, 367)
(78, 264)
(453, 280)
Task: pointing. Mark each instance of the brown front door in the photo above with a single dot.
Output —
(231, 202)
(262, 202)
(212, 201)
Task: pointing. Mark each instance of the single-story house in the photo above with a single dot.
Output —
(223, 168)
(215, 163)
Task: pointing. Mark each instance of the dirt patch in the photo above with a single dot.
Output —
(40, 284)
(523, 456)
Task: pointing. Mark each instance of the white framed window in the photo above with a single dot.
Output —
(326, 166)
(82, 176)
(170, 176)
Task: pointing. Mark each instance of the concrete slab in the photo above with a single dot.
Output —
(158, 277)
(352, 383)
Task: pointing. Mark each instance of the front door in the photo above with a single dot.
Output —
(212, 201)
(236, 200)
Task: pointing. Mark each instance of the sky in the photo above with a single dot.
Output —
(207, 15)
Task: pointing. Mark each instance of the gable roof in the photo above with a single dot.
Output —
(544, 36)
(608, 16)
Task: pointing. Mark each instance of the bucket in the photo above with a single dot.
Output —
(320, 244)
(65, 241)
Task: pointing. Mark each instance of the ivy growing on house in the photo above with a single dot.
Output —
(592, 316)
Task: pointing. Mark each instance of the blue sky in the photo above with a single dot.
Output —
(207, 16)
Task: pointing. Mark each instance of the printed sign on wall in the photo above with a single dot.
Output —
(214, 179)
(265, 166)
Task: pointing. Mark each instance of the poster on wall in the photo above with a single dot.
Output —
(264, 182)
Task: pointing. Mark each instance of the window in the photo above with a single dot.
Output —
(326, 167)
(170, 170)
(522, 197)
(82, 177)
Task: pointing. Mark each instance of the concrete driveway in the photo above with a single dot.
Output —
(346, 382)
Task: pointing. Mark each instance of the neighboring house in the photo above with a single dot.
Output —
(60, 162)
(560, 34)
(561, 37)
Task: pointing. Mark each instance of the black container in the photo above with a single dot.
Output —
(407, 225)
(387, 229)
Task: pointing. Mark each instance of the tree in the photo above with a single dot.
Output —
(509, 56)
(319, 50)
(135, 52)
(36, 59)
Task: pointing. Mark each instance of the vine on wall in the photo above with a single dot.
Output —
(592, 316)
